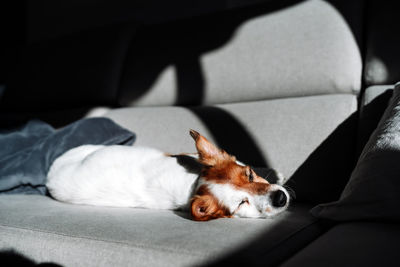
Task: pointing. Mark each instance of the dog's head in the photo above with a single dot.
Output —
(227, 188)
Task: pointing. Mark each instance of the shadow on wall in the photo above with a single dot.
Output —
(10, 258)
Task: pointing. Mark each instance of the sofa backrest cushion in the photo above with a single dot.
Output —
(306, 48)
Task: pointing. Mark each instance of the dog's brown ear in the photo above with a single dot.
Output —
(206, 207)
(209, 154)
(195, 135)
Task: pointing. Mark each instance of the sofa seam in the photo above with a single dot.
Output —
(223, 104)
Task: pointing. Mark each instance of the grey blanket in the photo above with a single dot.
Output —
(26, 154)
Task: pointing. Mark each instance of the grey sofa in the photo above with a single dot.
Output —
(290, 85)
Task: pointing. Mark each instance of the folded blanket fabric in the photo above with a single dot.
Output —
(26, 154)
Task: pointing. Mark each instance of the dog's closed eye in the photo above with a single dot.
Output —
(251, 177)
(244, 201)
(249, 174)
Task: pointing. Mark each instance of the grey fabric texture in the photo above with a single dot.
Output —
(285, 134)
(258, 59)
(27, 153)
(77, 235)
(373, 189)
(352, 244)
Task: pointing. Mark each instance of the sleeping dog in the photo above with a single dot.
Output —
(125, 176)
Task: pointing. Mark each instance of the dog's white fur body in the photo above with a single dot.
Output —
(120, 176)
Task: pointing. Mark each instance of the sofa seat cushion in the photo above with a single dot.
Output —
(73, 235)
(285, 134)
(352, 244)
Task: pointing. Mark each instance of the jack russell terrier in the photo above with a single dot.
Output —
(130, 176)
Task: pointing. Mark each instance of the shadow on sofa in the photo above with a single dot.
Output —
(260, 252)
(12, 258)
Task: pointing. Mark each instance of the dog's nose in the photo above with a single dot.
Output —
(278, 198)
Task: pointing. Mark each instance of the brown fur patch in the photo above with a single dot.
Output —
(205, 207)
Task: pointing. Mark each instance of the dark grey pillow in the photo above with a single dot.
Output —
(373, 191)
